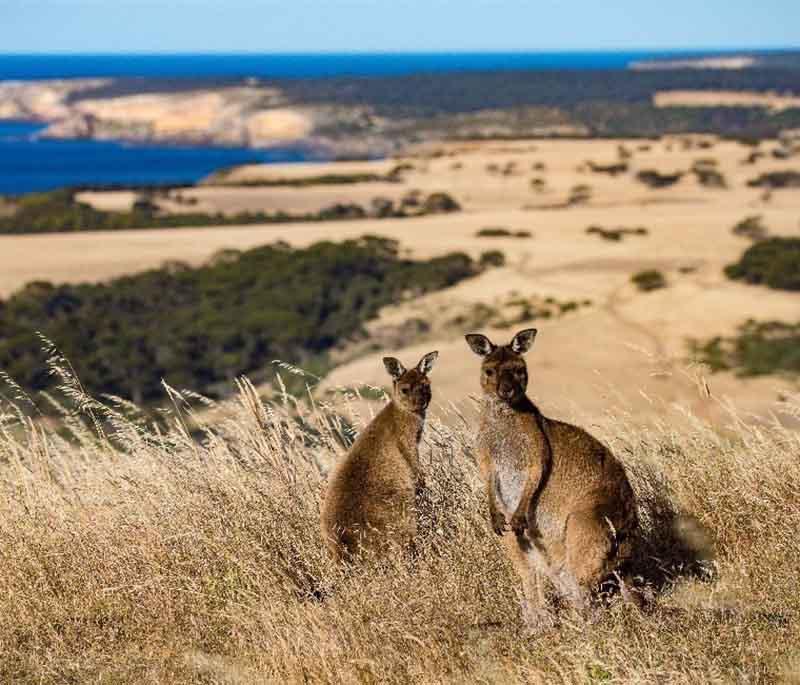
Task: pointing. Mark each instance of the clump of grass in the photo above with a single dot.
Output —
(579, 194)
(615, 234)
(190, 552)
(500, 232)
(649, 280)
(492, 258)
(707, 174)
(751, 227)
(655, 179)
(776, 180)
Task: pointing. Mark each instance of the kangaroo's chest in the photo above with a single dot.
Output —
(515, 450)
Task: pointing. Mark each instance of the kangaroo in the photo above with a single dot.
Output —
(370, 501)
(564, 496)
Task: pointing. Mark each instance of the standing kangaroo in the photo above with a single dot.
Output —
(567, 499)
(370, 502)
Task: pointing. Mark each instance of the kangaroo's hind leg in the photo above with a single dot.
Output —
(589, 558)
(537, 615)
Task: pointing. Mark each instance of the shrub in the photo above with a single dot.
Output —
(500, 232)
(492, 258)
(648, 280)
(579, 194)
(776, 180)
(615, 234)
(613, 169)
(655, 179)
(752, 227)
(774, 262)
(759, 348)
(440, 203)
(707, 175)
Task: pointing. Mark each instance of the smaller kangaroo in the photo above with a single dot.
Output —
(370, 501)
(570, 506)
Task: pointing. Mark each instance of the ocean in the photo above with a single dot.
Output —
(26, 67)
(29, 163)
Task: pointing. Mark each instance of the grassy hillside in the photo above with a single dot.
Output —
(201, 327)
(144, 556)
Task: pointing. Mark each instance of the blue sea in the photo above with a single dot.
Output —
(26, 67)
(29, 163)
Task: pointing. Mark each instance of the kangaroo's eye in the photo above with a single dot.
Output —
(404, 391)
(489, 372)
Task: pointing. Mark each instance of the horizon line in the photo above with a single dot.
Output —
(369, 53)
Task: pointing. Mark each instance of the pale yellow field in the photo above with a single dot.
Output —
(626, 350)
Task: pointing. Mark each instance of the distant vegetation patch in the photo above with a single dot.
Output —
(774, 262)
(616, 234)
(751, 227)
(655, 179)
(200, 327)
(59, 211)
(758, 348)
(649, 280)
(776, 180)
(223, 178)
(492, 258)
(613, 169)
(707, 174)
(500, 232)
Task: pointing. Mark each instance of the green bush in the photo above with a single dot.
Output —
(774, 262)
(759, 348)
(492, 258)
(776, 180)
(648, 280)
(500, 232)
(655, 179)
(751, 227)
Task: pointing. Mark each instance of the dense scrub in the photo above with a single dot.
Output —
(758, 348)
(148, 556)
(59, 211)
(774, 262)
(197, 327)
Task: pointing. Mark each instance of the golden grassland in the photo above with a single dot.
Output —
(192, 553)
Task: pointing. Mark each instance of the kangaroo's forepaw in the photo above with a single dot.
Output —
(519, 523)
(499, 523)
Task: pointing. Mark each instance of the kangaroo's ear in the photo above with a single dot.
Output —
(480, 344)
(426, 363)
(394, 367)
(523, 341)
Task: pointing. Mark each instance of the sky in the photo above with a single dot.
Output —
(80, 26)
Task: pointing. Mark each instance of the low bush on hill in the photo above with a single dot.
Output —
(615, 234)
(201, 327)
(500, 232)
(751, 227)
(774, 262)
(776, 180)
(59, 211)
(648, 280)
(758, 348)
(655, 179)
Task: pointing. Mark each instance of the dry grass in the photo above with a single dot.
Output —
(135, 554)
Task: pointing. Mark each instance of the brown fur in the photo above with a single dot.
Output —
(370, 501)
(567, 499)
